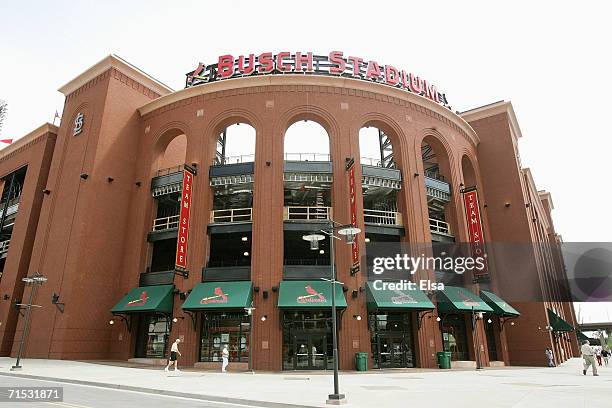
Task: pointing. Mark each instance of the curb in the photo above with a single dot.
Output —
(201, 397)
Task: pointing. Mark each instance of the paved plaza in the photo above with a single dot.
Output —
(558, 387)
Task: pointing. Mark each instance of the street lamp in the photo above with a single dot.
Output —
(33, 281)
(475, 317)
(349, 231)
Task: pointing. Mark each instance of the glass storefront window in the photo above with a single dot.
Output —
(307, 340)
(153, 331)
(391, 340)
(491, 343)
(454, 336)
(219, 329)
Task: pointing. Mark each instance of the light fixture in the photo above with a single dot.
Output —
(357, 317)
(111, 322)
(263, 318)
(321, 251)
(244, 239)
(350, 233)
(489, 321)
(174, 319)
(314, 239)
(438, 319)
(511, 323)
(367, 240)
(246, 253)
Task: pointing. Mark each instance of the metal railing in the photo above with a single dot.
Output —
(316, 157)
(243, 158)
(164, 223)
(303, 213)
(169, 170)
(369, 161)
(4, 246)
(434, 175)
(231, 215)
(379, 217)
(439, 227)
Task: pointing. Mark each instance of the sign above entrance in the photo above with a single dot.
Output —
(333, 64)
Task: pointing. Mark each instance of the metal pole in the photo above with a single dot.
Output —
(24, 333)
(251, 341)
(336, 395)
(475, 334)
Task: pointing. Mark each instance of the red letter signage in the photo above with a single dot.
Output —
(353, 202)
(472, 214)
(183, 229)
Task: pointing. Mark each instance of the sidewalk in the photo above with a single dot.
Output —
(560, 387)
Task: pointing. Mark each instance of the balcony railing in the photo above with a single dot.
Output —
(379, 217)
(4, 247)
(169, 170)
(317, 157)
(164, 223)
(231, 215)
(439, 227)
(243, 158)
(369, 161)
(297, 213)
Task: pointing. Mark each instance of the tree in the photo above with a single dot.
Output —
(3, 108)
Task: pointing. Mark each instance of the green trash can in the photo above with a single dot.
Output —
(444, 359)
(361, 361)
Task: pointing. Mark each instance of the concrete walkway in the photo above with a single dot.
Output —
(559, 387)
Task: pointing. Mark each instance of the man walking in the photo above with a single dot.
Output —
(173, 355)
(589, 359)
(549, 357)
(225, 356)
(606, 355)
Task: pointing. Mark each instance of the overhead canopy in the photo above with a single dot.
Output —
(499, 305)
(309, 294)
(557, 323)
(379, 299)
(455, 299)
(581, 336)
(146, 299)
(220, 295)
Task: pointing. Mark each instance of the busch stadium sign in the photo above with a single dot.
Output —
(305, 63)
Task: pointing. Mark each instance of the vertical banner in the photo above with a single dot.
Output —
(475, 235)
(183, 228)
(352, 198)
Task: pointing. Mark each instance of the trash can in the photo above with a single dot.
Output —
(361, 361)
(444, 359)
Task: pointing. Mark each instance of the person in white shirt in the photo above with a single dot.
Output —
(589, 359)
(225, 356)
(173, 355)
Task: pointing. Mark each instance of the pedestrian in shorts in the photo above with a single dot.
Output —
(174, 353)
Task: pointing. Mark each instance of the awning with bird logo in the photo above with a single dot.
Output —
(220, 295)
(309, 294)
(159, 298)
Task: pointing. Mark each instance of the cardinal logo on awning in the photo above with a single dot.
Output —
(219, 297)
(140, 301)
(402, 298)
(468, 301)
(313, 297)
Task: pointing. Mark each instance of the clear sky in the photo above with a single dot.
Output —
(551, 59)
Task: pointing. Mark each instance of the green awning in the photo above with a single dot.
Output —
(308, 294)
(499, 305)
(379, 299)
(220, 295)
(557, 323)
(455, 299)
(581, 336)
(147, 299)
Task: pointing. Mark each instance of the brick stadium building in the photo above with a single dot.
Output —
(95, 206)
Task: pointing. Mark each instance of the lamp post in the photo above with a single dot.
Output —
(475, 317)
(33, 281)
(349, 231)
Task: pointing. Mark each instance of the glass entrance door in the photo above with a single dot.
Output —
(310, 351)
(391, 351)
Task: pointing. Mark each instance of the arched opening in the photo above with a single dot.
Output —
(436, 167)
(306, 140)
(467, 169)
(232, 191)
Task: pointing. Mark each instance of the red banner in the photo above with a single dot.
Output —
(475, 235)
(183, 230)
(353, 214)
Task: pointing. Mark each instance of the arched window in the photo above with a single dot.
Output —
(306, 141)
(236, 144)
